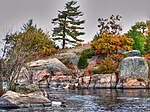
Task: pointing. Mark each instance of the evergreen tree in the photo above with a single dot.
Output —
(68, 24)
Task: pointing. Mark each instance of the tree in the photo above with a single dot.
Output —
(21, 47)
(68, 24)
(137, 32)
(110, 40)
(140, 26)
(30, 39)
(82, 64)
(108, 44)
(110, 25)
(147, 44)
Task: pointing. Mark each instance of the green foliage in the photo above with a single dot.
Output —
(140, 26)
(147, 45)
(108, 65)
(31, 39)
(96, 37)
(82, 62)
(68, 24)
(88, 53)
(21, 47)
(138, 38)
(105, 66)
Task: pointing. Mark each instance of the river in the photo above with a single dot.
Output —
(98, 100)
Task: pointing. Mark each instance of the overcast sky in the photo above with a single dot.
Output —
(13, 13)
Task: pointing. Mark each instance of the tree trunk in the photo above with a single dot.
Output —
(63, 46)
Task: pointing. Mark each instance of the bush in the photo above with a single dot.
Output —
(110, 44)
(108, 65)
(105, 66)
(88, 53)
(82, 62)
(147, 45)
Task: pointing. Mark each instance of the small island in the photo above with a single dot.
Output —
(33, 62)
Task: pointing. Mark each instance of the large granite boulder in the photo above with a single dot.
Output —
(13, 100)
(69, 58)
(132, 53)
(42, 70)
(136, 67)
(51, 64)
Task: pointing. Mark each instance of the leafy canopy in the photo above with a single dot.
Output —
(110, 40)
(137, 33)
(30, 39)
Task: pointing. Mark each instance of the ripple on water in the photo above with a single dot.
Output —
(83, 97)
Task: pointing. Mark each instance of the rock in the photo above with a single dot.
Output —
(41, 76)
(65, 55)
(18, 99)
(61, 78)
(107, 78)
(133, 53)
(90, 67)
(52, 64)
(98, 81)
(133, 83)
(42, 70)
(136, 67)
(74, 61)
(85, 79)
(56, 103)
(4, 103)
(94, 58)
(26, 88)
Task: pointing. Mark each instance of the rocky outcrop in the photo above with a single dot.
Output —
(136, 67)
(133, 83)
(95, 81)
(42, 70)
(52, 64)
(90, 67)
(133, 53)
(65, 55)
(13, 100)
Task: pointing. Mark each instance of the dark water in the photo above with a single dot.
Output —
(101, 100)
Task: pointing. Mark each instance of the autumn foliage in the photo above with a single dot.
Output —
(111, 44)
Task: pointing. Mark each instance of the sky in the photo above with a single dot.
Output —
(14, 13)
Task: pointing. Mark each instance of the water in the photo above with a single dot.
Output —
(100, 100)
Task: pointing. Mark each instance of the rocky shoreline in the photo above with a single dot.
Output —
(61, 72)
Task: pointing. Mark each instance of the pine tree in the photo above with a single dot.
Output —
(68, 24)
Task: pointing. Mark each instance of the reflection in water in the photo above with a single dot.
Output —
(99, 100)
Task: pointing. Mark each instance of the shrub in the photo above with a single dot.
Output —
(88, 53)
(105, 66)
(82, 62)
(110, 44)
(108, 64)
(147, 44)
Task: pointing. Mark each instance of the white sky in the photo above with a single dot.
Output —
(13, 13)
